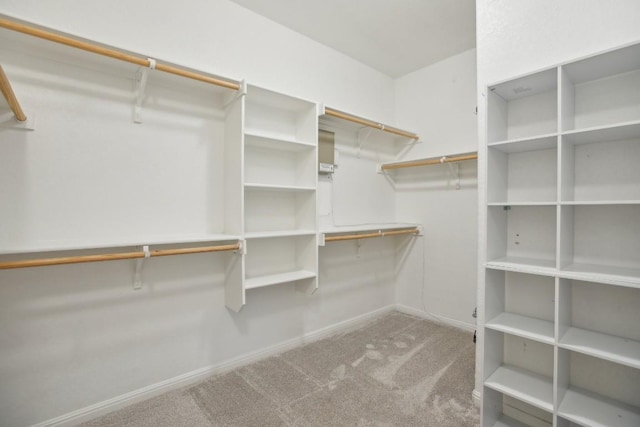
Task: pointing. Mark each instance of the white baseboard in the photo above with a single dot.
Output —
(477, 397)
(435, 318)
(118, 402)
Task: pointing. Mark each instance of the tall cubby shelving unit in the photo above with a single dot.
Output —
(277, 196)
(562, 273)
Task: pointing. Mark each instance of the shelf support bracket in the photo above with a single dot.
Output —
(137, 276)
(321, 240)
(454, 169)
(360, 138)
(142, 75)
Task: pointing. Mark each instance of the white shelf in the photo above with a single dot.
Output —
(615, 132)
(278, 233)
(522, 204)
(274, 279)
(591, 411)
(78, 245)
(534, 389)
(562, 147)
(524, 265)
(521, 145)
(602, 273)
(523, 326)
(603, 346)
(261, 139)
(600, 202)
(366, 227)
(269, 187)
(505, 421)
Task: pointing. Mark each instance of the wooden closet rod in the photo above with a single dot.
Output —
(90, 47)
(370, 235)
(365, 122)
(430, 161)
(10, 96)
(116, 256)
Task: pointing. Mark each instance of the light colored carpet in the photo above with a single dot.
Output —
(398, 370)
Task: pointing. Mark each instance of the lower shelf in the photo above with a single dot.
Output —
(274, 279)
(603, 346)
(534, 389)
(505, 421)
(594, 411)
(524, 265)
(603, 273)
(523, 326)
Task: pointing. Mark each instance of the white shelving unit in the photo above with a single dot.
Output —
(279, 190)
(562, 272)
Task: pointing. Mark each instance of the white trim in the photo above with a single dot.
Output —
(477, 397)
(435, 318)
(106, 406)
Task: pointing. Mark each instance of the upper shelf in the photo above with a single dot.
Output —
(340, 118)
(365, 231)
(63, 47)
(451, 158)
(78, 245)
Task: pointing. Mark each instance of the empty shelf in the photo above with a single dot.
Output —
(602, 273)
(603, 346)
(524, 265)
(595, 411)
(78, 245)
(616, 132)
(520, 145)
(366, 227)
(278, 233)
(505, 421)
(260, 139)
(523, 326)
(534, 389)
(274, 279)
(269, 187)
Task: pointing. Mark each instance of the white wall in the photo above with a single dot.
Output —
(75, 336)
(515, 38)
(223, 38)
(439, 277)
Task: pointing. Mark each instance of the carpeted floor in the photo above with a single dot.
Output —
(398, 370)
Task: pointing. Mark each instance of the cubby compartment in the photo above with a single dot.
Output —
(520, 304)
(523, 171)
(601, 91)
(600, 320)
(602, 165)
(501, 410)
(271, 210)
(524, 107)
(275, 260)
(593, 392)
(522, 237)
(279, 163)
(520, 368)
(601, 242)
(277, 116)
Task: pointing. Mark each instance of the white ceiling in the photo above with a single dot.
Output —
(395, 37)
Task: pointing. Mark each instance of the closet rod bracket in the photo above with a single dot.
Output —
(137, 276)
(454, 169)
(142, 75)
(234, 96)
